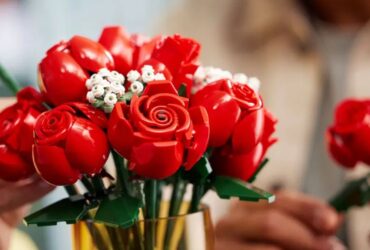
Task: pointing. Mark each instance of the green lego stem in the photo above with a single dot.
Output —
(9, 82)
(150, 189)
(71, 190)
(355, 193)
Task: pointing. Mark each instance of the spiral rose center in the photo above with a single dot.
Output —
(53, 126)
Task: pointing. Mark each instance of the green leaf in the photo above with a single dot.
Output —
(355, 193)
(182, 90)
(8, 81)
(200, 172)
(118, 211)
(69, 210)
(227, 187)
(261, 166)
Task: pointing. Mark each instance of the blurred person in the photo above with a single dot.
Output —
(309, 55)
(15, 202)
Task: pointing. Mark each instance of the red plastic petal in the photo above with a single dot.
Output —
(201, 134)
(62, 79)
(12, 166)
(86, 147)
(249, 131)
(52, 165)
(91, 55)
(157, 160)
(120, 132)
(339, 151)
(119, 44)
(95, 115)
(159, 87)
(241, 166)
(223, 113)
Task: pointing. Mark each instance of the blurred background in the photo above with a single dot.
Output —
(29, 28)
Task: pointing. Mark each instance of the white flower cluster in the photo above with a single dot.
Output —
(106, 88)
(137, 80)
(205, 75)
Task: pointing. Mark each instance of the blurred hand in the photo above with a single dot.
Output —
(15, 200)
(294, 221)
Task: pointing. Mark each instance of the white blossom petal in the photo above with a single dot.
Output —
(133, 76)
(137, 87)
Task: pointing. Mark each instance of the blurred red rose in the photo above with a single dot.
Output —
(349, 137)
(70, 141)
(16, 135)
(157, 133)
(67, 66)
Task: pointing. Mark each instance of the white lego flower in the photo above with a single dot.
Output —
(148, 76)
(159, 77)
(114, 76)
(105, 84)
(117, 88)
(240, 78)
(147, 68)
(110, 99)
(89, 84)
(133, 75)
(94, 79)
(103, 72)
(254, 83)
(98, 91)
(136, 87)
(90, 97)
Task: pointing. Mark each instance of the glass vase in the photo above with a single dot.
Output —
(183, 232)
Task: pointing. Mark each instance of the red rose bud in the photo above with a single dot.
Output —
(251, 139)
(69, 142)
(157, 133)
(67, 66)
(16, 135)
(180, 56)
(128, 51)
(230, 109)
(349, 137)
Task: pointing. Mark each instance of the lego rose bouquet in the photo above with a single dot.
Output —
(348, 141)
(165, 120)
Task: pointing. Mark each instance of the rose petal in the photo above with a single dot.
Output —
(62, 79)
(52, 165)
(223, 113)
(159, 87)
(91, 55)
(248, 132)
(120, 132)
(86, 147)
(119, 44)
(339, 151)
(241, 166)
(201, 133)
(12, 166)
(95, 115)
(157, 160)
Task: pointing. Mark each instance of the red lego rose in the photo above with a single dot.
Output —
(16, 135)
(349, 137)
(157, 133)
(67, 66)
(230, 109)
(69, 142)
(174, 56)
(242, 159)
